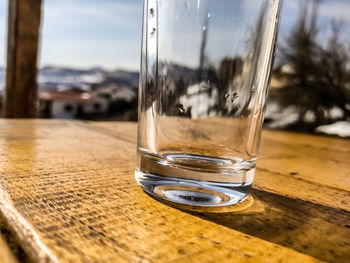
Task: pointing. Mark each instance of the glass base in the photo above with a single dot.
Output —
(191, 192)
(195, 180)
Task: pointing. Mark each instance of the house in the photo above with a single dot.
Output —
(70, 104)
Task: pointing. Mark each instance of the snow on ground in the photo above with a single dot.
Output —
(341, 128)
(279, 117)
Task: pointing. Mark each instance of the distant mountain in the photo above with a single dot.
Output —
(180, 71)
(123, 77)
(62, 78)
(65, 78)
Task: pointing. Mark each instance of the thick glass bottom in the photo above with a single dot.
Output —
(195, 180)
(190, 192)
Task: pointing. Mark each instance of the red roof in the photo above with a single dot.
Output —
(65, 96)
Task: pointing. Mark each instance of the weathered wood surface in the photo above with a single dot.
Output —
(68, 194)
(22, 52)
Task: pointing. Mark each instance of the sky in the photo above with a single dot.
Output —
(87, 33)
(107, 33)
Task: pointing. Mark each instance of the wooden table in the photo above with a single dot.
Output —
(68, 194)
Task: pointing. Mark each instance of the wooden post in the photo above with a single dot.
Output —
(22, 51)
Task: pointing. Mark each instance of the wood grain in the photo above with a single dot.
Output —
(72, 183)
(24, 18)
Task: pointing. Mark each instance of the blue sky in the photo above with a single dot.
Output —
(107, 33)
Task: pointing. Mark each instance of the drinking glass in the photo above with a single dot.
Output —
(205, 72)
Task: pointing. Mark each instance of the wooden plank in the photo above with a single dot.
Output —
(126, 131)
(307, 167)
(22, 52)
(73, 185)
(82, 191)
(309, 158)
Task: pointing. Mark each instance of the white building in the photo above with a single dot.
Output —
(68, 104)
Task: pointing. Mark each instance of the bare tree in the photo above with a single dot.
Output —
(320, 75)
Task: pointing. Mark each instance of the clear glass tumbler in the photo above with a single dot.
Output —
(205, 72)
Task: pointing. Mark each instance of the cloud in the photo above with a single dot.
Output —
(90, 33)
(96, 52)
(122, 14)
(339, 10)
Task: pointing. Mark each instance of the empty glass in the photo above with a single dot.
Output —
(205, 71)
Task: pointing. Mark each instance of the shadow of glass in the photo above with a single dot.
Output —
(313, 229)
(310, 228)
